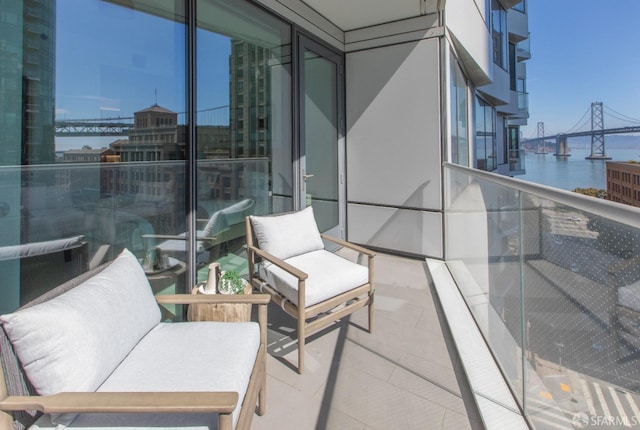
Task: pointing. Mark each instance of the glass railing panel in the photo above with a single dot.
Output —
(516, 160)
(523, 101)
(482, 242)
(553, 281)
(76, 216)
(581, 296)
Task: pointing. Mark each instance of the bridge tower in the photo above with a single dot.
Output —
(597, 133)
(562, 149)
(541, 143)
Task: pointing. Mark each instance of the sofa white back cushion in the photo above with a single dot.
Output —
(74, 341)
(288, 235)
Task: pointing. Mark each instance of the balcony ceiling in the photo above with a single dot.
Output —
(353, 14)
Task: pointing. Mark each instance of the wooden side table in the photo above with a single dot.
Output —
(220, 312)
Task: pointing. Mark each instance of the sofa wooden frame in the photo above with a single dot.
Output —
(222, 403)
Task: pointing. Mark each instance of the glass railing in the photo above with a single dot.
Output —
(523, 101)
(523, 49)
(60, 220)
(552, 279)
(516, 160)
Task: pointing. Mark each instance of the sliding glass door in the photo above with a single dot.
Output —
(321, 135)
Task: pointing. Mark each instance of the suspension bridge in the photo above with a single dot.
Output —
(597, 132)
(121, 126)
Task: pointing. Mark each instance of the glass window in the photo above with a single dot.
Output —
(80, 80)
(499, 34)
(521, 7)
(459, 115)
(244, 163)
(95, 133)
(485, 140)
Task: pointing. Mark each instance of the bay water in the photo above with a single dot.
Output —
(575, 171)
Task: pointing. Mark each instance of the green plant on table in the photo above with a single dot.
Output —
(231, 283)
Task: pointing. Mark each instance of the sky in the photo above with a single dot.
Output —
(582, 51)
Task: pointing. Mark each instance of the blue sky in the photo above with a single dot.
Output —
(582, 51)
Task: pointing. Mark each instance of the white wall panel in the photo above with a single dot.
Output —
(407, 231)
(465, 20)
(393, 125)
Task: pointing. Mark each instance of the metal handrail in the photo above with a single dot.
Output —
(624, 214)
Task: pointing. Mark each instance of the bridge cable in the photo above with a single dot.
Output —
(575, 126)
(625, 117)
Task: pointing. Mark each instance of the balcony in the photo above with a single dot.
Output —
(523, 49)
(550, 279)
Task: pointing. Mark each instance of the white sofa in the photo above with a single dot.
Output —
(104, 340)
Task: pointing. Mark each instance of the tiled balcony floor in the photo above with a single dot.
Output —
(404, 375)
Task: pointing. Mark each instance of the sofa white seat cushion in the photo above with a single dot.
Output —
(194, 356)
(329, 275)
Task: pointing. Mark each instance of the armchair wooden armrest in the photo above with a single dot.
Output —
(278, 262)
(349, 245)
(125, 402)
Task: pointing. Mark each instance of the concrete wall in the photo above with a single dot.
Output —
(394, 179)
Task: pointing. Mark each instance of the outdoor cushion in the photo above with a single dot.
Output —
(222, 219)
(629, 296)
(179, 360)
(103, 319)
(329, 275)
(39, 248)
(288, 235)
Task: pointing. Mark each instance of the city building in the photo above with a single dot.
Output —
(623, 183)
(153, 137)
(87, 155)
(391, 122)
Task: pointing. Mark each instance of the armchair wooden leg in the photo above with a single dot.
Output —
(262, 395)
(301, 338)
(371, 313)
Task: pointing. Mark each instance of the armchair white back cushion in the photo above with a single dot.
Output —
(74, 342)
(288, 235)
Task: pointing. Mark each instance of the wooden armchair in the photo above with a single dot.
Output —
(213, 236)
(82, 362)
(287, 259)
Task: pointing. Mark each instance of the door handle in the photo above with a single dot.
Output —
(308, 176)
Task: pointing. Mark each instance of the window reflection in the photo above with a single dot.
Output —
(95, 131)
(459, 116)
(243, 124)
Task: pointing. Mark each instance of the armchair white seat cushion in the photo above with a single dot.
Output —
(329, 276)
